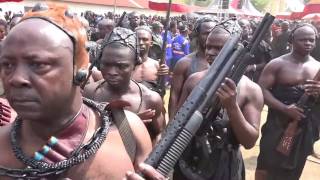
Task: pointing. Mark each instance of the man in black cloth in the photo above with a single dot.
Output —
(283, 81)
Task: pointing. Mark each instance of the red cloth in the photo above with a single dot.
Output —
(10, 1)
(176, 6)
(5, 113)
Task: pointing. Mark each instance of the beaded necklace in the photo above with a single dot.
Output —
(39, 169)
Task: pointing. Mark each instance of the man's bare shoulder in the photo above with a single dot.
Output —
(153, 61)
(139, 129)
(249, 85)
(90, 88)
(193, 80)
(5, 145)
(152, 97)
(4, 133)
(196, 77)
(250, 89)
(314, 63)
(278, 62)
(184, 62)
(134, 121)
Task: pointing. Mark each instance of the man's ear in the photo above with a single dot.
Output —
(151, 43)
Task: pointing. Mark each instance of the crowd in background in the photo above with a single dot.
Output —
(182, 39)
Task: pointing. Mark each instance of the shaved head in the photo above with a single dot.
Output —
(57, 37)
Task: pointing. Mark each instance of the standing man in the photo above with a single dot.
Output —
(238, 124)
(246, 30)
(117, 63)
(57, 134)
(147, 72)
(283, 81)
(280, 43)
(190, 64)
(157, 41)
(134, 20)
(105, 27)
(214, 153)
(180, 45)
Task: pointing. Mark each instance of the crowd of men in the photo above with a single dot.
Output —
(82, 97)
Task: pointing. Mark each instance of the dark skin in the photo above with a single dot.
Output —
(134, 20)
(33, 75)
(295, 68)
(2, 32)
(150, 68)
(180, 72)
(246, 29)
(117, 65)
(246, 35)
(243, 108)
(105, 26)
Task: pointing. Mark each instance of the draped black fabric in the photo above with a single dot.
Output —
(212, 155)
(281, 167)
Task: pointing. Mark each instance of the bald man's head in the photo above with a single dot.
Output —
(303, 39)
(44, 30)
(215, 42)
(105, 27)
(38, 64)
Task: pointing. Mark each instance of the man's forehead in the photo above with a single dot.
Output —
(117, 54)
(213, 36)
(143, 33)
(35, 28)
(304, 30)
(105, 22)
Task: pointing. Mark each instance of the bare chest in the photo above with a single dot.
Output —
(110, 162)
(145, 72)
(292, 74)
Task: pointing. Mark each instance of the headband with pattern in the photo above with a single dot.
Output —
(230, 25)
(122, 36)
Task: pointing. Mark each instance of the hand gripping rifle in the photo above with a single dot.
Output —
(161, 79)
(231, 61)
(287, 140)
(96, 58)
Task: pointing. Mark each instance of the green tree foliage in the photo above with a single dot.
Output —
(260, 4)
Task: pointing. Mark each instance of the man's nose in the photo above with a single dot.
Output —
(19, 77)
(112, 70)
(141, 42)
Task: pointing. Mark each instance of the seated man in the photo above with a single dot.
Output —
(118, 60)
(58, 134)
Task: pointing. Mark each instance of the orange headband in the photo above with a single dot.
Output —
(57, 14)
